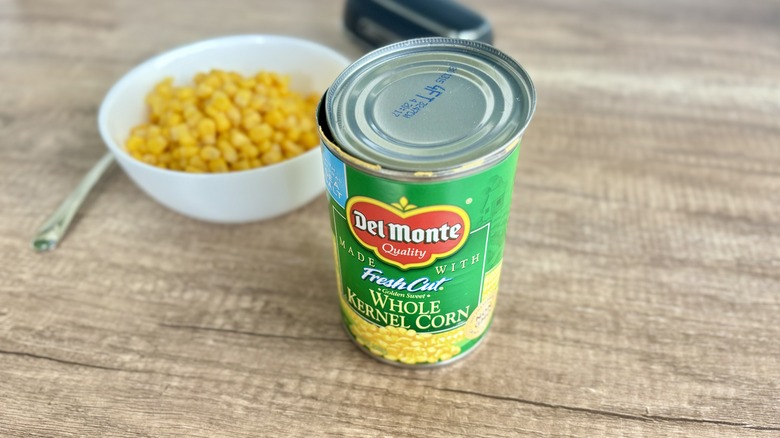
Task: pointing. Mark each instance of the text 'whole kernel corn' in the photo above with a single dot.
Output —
(224, 122)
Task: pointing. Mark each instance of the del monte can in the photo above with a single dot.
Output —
(421, 140)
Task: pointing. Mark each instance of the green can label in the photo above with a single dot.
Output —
(418, 263)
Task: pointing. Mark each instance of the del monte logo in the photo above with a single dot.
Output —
(405, 235)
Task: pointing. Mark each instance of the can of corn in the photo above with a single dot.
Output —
(421, 140)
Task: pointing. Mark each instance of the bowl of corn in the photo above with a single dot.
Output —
(223, 130)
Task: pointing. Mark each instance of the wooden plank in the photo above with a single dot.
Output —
(639, 294)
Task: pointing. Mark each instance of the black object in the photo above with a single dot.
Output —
(381, 22)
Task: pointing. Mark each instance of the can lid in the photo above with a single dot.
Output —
(430, 104)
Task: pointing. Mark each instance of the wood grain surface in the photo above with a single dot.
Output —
(640, 293)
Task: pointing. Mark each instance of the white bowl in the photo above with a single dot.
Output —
(231, 197)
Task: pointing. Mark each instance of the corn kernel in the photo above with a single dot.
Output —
(188, 140)
(247, 83)
(185, 93)
(229, 153)
(157, 144)
(189, 151)
(220, 101)
(230, 88)
(291, 149)
(250, 119)
(234, 115)
(261, 132)
(197, 161)
(309, 140)
(240, 165)
(209, 153)
(294, 134)
(272, 156)
(223, 124)
(238, 139)
(242, 98)
(274, 118)
(204, 90)
(249, 151)
(134, 144)
(207, 129)
(218, 165)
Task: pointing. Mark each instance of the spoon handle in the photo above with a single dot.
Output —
(53, 230)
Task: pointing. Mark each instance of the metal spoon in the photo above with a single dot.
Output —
(53, 230)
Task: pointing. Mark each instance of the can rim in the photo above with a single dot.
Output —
(486, 52)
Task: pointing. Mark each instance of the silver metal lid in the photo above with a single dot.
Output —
(430, 104)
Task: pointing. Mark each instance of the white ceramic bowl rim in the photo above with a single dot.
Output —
(184, 51)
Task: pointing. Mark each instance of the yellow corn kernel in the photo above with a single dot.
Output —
(261, 132)
(220, 101)
(171, 118)
(234, 114)
(307, 123)
(213, 80)
(204, 90)
(293, 134)
(211, 111)
(218, 165)
(255, 162)
(229, 153)
(207, 130)
(238, 138)
(188, 152)
(188, 140)
(274, 118)
(272, 156)
(192, 169)
(223, 123)
(178, 131)
(247, 83)
(309, 140)
(266, 145)
(250, 119)
(290, 106)
(230, 88)
(134, 144)
(291, 149)
(258, 103)
(185, 93)
(198, 162)
(190, 112)
(157, 144)
(249, 151)
(165, 87)
(240, 165)
(264, 78)
(209, 153)
(242, 98)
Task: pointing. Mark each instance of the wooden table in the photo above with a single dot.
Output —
(640, 294)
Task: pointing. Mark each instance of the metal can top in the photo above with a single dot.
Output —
(430, 104)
